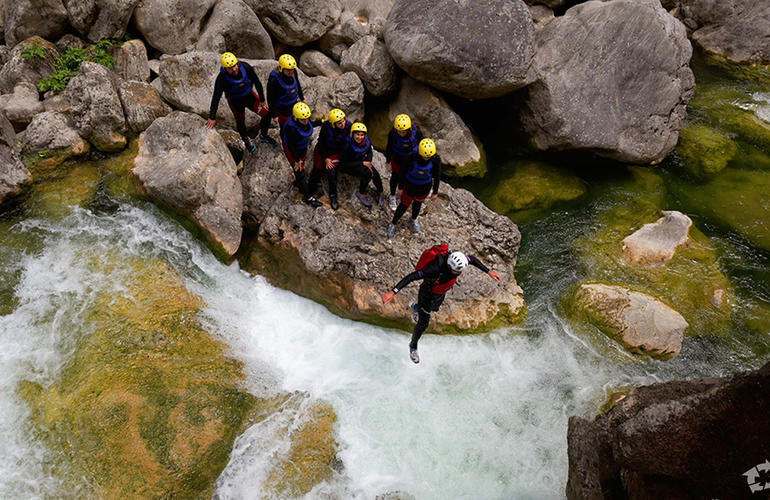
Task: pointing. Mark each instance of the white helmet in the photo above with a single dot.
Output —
(457, 262)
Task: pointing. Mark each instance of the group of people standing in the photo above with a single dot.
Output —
(412, 161)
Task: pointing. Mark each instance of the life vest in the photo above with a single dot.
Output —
(240, 86)
(289, 95)
(333, 138)
(304, 134)
(429, 256)
(359, 151)
(404, 146)
(420, 173)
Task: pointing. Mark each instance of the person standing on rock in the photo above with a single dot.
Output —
(438, 269)
(326, 156)
(284, 89)
(423, 172)
(402, 141)
(237, 80)
(295, 136)
(356, 160)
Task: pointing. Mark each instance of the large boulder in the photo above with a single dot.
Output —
(22, 105)
(95, 107)
(454, 141)
(344, 260)
(369, 59)
(297, 23)
(100, 19)
(189, 169)
(13, 174)
(53, 139)
(640, 322)
(345, 92)
(686, 439)
(131, 60)
(141, 104)
(613, 78)
(735, 31)
(172, 25)
(656, 242)
(316, 63)
(22, 68)
(234, 27)
(25, 18)
(473, 49)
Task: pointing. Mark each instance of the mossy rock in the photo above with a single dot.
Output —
(533, 186)
(757, 72)
(148, 405)
(703, 150)
(72, 184)
(688, 282)
(737, 199)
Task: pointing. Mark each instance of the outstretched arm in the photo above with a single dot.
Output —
(388, 296)
(480, 265)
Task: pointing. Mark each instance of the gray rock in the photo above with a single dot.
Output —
(656, 243)
(154, 66)
(22, 105)
(58, 103)
(473, 49)
(172, 25)
(297, 23)
(25, 18)
(131, 60)
(640, 322)
(316, 63)
(100, 19)
(337, 257)
(95, 107)
(334, 42)
(13, 174)
(189, 169)
(541, 15)
(369, 59)
(682, 439)
(454, 140)
(551, 4)
(70, 40)
(345, 92)
(736, 30)
(51, 132)
(142, 104)
(613, 78)
(369, 11)
(5, 52)
(2, 21)
(234, 27)
(27, 69)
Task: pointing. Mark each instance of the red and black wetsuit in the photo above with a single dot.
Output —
(352, 162)
(418, 179)
(331, 142)
(399, 153)
(240, 95)
(438, 279)
(282, 93)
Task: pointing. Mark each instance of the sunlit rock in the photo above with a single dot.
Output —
(656, 242)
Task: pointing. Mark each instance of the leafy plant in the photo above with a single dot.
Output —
(33, 50)
(68, 64)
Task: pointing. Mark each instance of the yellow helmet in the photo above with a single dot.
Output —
(336, 115)
(301, 111)
(357, 127)
(402, 122)
(228, 60)
(427, 148)
(286, 61)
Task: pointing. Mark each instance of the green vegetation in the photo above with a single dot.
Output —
(33, 50)
(704, 151)
(67, 65)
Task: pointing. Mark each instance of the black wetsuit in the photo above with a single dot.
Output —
(238, 104)
(415, 193)
(400, 151)
(352, 162)
(275, 94)
(437, 272)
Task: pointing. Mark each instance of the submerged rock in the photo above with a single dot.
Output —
(189, 169)
(641, 323)
(148, 404)
(344, 260)
(703, 150)
(688, 439)
(613, 78)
